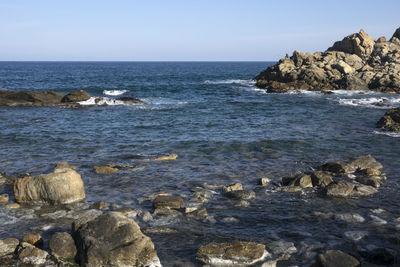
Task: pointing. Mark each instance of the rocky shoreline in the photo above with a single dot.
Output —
(106, 235)
(358, 62)
(73, 99)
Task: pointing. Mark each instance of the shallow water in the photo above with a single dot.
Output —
(223, 129)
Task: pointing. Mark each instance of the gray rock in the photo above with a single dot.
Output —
(114, 239)
(363, 190)
(339, 189)
(8, 246)
(232, 187)
(281, 247)
(76, 96)
(350, 217)
(62, 245)
(390, 121)
(30, 254)
(321, 179)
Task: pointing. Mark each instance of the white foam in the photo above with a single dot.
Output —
(103, 100)
(372, 102)
(391, 134)
(231, 81)
(114, 92)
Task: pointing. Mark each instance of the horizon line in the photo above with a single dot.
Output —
(132, 61)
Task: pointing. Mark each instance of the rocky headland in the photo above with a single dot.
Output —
(73, 99)
(358, 62)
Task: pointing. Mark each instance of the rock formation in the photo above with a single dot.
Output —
(391, 120)
(62, 186)
(54, 99)
(358, 62)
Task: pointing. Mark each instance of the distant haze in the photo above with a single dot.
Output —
(218, 30)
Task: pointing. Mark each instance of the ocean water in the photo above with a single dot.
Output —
(223, 130)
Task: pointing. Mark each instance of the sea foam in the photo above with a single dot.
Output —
(372, 102)
(114, 92)
(231, 81)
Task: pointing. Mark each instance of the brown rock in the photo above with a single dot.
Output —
(29, 98)
(8, 246)
(360, 44)
(113, 239)
(33, 239)
(390, 121)
(172, 202)
(302, 180)
(381, 39)
(339, 189)
(76, 96)
(321, 179)
(62, 186)
(30, 254)
(232, 187)
(396, 34)
(4, 198)
(12, 206)
(232, 254)
(104, 170)
(62, 245)
(99, 205)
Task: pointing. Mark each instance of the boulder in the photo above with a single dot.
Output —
(33, 239)
(352, 165)
(232, 254)
(113, 239)
(264, 181)
(321, 179)
(232, 187)
(302, 180)
(336, 258)
(172, 202)
(29, 254)
(339, 189)
(390, 121)
(241, 194)
(62, 245)
(4, 198)
(62, 186)
(8, 246)
(361, 190)
(360, 44)
(29, 98)
(76, 96)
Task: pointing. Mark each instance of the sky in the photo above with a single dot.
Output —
(183, 30)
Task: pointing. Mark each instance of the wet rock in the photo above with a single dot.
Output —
(160, 230)
(352, 165)
(172, 202)
(168, 157)
(8, 246)
(64, 164)
(30, 254)
(390, 121)
(290, 189)
(232, 254)
(264, 181)
(282, 247)
(241, 194)
(302, 180)
(130, 100)
(100, 205)
(339, 189)
(33, 239)
(62, 186)
(146, 217)
(12, 206)
(29, 98)
(4, 198)
(200, 213)
(104, 170)
(377, 220)
(114, 239)
(381, 256)
(232, 187)
(367, 180)
(363, 190)
(355, 235)
(62, 245)
(76, 96)
(369, 172)
(350, 217)
(337, 258)
(230, 220)
(82, 220)
(321, 179)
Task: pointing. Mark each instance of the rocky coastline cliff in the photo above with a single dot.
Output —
(358, 62)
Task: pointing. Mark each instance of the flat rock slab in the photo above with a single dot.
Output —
(232, 254)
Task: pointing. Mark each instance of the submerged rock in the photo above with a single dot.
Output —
(168, 157)
(337, 258)
(62, 186)
(232, 254)
(113, 239)
(104, 170)
(355, 63)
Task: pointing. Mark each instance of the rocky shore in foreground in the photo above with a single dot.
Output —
(54, 99)
(109, 235)
(358, 62)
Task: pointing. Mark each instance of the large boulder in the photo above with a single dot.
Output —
(390, 121)
(113, 239)
(29, 98)
(76, 96)
(336, 258)
(62, 186)
(232, 254)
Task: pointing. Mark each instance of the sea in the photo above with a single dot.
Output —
(224, 130)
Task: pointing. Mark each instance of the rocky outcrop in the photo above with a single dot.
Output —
(232, 254)
(358, 62)
(54, 99)
(390, 121)
(343, 178)
(62, 186)
(113, 239)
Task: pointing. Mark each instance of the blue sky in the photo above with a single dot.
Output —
(184, 30)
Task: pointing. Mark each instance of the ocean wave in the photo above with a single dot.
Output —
(372, 102)
(391, 134)
(114, 92)
(231, 81)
